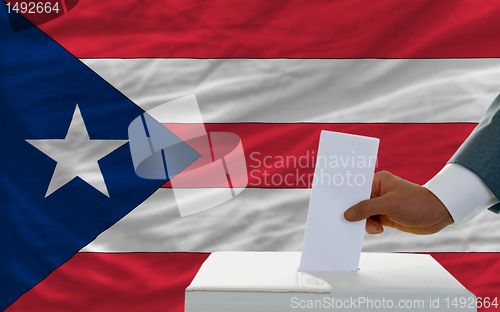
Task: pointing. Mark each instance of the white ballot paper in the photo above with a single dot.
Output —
(343, 176)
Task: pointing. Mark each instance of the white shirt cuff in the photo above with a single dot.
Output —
(462, 192)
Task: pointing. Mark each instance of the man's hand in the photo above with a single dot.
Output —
(402, 205)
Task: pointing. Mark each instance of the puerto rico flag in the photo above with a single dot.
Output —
(80, 231)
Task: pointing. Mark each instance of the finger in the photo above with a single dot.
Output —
(380, 180)
(373, 226)
(367, 208)
(376, 189)
(384, 221)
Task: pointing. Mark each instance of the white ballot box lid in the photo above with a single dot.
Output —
(270, 281)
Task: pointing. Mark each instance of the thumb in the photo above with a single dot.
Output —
(366, 209)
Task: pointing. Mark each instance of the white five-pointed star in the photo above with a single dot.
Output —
(77, 156)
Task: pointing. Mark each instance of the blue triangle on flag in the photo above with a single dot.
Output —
(40, 85)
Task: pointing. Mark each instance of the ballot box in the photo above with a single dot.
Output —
(270, 281)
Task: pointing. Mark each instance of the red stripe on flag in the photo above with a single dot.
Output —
(152, 282)
(483, 282)
(115, 282)
(275, 29)
(283, 155)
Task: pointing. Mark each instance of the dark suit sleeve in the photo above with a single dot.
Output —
(480, 153)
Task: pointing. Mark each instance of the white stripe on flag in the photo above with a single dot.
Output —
(311, 90)
(265, 220)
